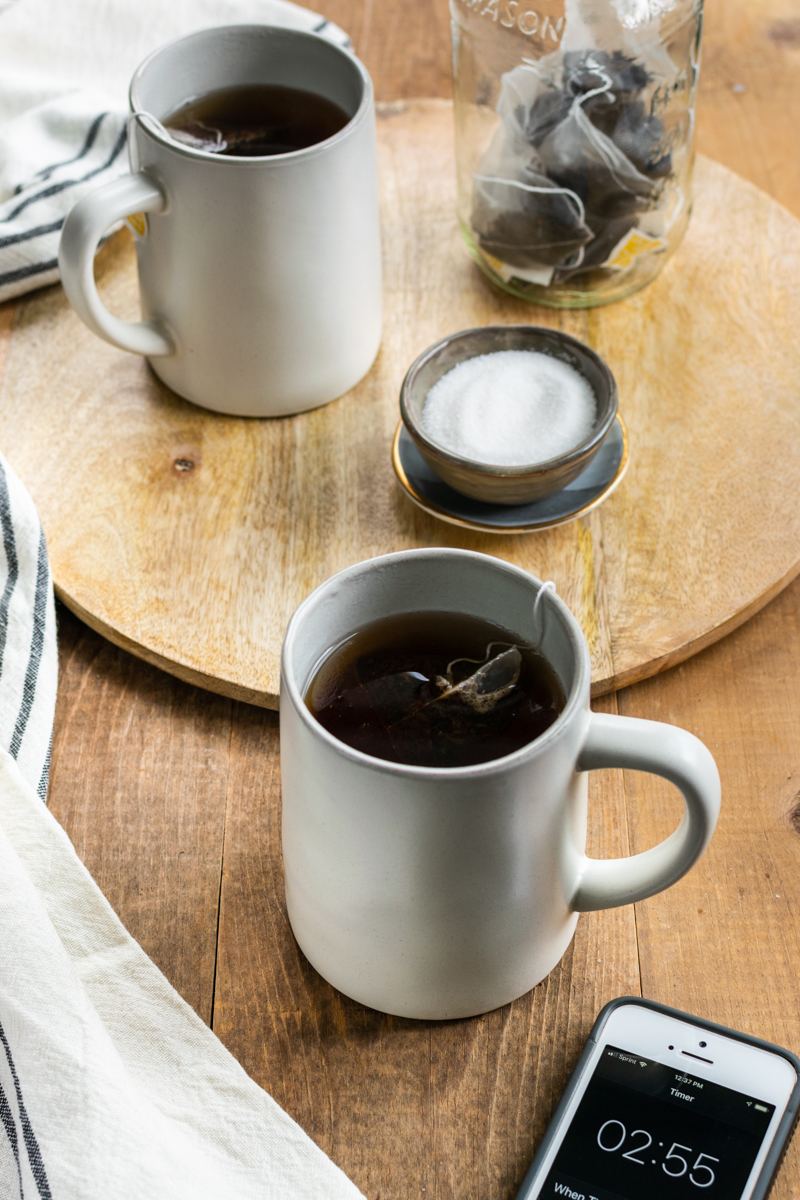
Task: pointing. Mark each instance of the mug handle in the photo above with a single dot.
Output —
(83, 229)
(678, 756)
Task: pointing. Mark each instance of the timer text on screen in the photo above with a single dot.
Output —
(645, 1129)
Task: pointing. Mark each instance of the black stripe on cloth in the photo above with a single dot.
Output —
(319, 28)
(55, 188)
(44, 782)
(10, 1126)
(12, 563)
(88, 142)
(12, 239)
(28, 1136)
(37, 645)
(31, 269)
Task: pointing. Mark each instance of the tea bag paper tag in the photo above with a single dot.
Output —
(540, 275)
(137, 222)
(632, 246)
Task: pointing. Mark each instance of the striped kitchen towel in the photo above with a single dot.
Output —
(65, 66)
(28, 659)
(111, 1087)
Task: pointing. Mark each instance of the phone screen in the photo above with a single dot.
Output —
(643, 1129)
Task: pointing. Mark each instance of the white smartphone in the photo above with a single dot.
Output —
(666, 1106)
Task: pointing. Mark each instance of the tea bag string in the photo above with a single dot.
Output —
(606, 87)
(529, 187)
(569, 265)
(156, 126)
(549, 586)
(477, 661)
(148, 117)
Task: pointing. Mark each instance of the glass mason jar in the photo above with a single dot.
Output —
(574, 141)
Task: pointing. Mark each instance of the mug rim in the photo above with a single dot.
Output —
(230, 162)
(575, 701)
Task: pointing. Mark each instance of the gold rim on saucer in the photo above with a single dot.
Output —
(443, 514)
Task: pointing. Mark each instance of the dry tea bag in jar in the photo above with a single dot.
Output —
(529, 223)
(522, 218)
(574, 141)
(577, 153)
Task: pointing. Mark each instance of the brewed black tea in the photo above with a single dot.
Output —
(255, 121)
(435, 690)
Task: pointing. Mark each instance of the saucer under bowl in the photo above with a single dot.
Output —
(595, 483)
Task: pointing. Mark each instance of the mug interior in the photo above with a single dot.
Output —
(240, 55)
(438, 580)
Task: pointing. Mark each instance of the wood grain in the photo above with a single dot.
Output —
(139, 780)
(749, 107)
(725, 941)
(198, 570)
(460, 1108)
(405, 46)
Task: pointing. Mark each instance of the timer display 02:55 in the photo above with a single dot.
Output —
(673, 1163)
(643, 1128)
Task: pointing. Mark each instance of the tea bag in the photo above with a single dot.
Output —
(576, 161)
(405, 694)
(579, 156)
(449, 714)
(641, 139)
(200, 137)
(435, 716)
(493, 680)
(247, 142)
(520, 216)
(529, 221)
(630, 26)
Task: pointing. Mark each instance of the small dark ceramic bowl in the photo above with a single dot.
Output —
(506, 485)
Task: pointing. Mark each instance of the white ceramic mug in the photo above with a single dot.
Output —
(438, 893)
(260, 278)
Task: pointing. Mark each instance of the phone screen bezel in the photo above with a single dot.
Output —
(735, 1064)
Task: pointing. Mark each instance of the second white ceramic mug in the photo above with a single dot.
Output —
(260, 278)
(438, 893)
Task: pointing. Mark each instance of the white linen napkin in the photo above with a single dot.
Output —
(65, 67)
(110, 1085)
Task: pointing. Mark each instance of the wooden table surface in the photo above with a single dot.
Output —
(171, 796)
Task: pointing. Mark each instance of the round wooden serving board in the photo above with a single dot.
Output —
(189, 538)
